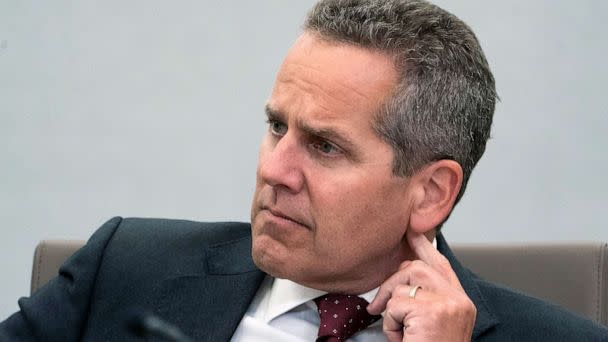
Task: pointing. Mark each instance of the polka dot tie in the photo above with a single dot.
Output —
(342, 316)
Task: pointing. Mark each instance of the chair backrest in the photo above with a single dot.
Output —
(48, 256)
(574, 276)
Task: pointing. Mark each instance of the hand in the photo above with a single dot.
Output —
(440, 310)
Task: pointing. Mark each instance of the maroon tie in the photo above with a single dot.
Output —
(342, 316)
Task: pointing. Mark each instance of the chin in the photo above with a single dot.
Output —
(270, 257)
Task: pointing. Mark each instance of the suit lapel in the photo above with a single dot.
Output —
(485, 319)
(210, 305)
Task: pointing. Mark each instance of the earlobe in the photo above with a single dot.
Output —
(436, 188)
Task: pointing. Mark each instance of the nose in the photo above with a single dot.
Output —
(280, 163)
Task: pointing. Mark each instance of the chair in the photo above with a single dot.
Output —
(574, 276)
(48, 256)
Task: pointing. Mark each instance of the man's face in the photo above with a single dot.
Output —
(328, 212)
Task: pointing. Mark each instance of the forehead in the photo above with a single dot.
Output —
(334, 81)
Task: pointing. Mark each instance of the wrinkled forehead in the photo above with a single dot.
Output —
(340, 74)
(364, 65)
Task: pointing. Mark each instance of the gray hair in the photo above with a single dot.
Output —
(443, 104)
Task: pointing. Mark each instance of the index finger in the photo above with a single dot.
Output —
(423, 248)
(425, 251)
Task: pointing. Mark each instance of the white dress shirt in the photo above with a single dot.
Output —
(285, 311)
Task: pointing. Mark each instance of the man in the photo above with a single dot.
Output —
(379, 113)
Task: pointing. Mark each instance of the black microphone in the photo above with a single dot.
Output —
(146, 325)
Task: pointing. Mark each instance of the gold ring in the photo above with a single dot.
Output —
(413, 291)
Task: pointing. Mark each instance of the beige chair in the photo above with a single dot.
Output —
(48, 256)
(574, 276)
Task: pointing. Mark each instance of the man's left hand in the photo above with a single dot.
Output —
(440, 310)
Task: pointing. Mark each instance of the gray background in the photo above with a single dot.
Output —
(154, 108)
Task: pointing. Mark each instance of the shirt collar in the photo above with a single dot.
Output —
(285, 295)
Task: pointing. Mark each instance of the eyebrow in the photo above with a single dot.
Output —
(330, 134)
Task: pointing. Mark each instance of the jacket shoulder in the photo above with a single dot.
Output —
(165, 246)
(525, 318)
(170, 230)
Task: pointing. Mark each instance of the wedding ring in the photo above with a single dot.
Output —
(413, 291)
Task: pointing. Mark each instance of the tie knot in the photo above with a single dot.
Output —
(342, 316)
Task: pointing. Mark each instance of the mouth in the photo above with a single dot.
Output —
(282, 216)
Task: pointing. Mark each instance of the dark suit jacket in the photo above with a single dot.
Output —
(200, 277)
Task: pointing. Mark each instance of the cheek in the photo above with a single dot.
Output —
(349, 198)
(361, 212)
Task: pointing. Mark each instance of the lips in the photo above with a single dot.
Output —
(280, 214)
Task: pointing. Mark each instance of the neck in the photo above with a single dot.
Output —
(377, 271)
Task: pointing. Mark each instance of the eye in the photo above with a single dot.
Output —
(326, 148)
(277, 127)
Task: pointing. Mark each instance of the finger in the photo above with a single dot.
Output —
(423, 248)
(425, 251)
(404, 315)
(405, 264)
(393, 330)
(378, 304)
(394, 320)
(395, 282)
(394, 336)
(413, 273)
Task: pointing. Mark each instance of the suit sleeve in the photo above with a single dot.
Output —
(58, 311)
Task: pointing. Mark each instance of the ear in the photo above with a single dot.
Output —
(436, 187)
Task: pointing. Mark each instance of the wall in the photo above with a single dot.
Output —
(155, 109)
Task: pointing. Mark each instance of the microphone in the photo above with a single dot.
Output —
(146, 325)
